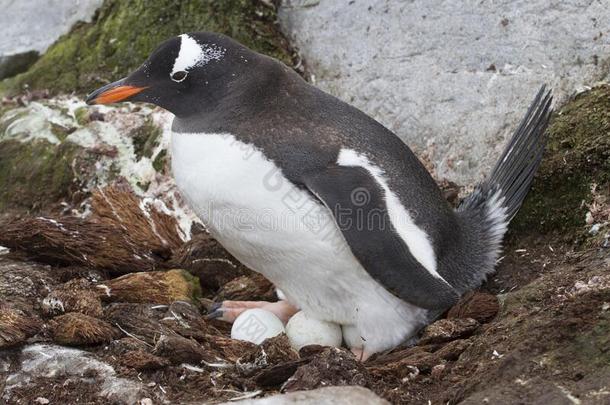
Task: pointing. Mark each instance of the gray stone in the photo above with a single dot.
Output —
(30, 27)
(49, 361)
(451, 78)
(320, 396)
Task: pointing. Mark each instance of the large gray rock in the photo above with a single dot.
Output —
(30, 27)
(321, 396)
(451, 78)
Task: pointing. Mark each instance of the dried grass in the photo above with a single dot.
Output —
(123, 235)
(76, 329)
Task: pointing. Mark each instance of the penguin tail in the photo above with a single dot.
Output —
(494, 202)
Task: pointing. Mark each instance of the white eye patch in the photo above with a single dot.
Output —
(192, 54)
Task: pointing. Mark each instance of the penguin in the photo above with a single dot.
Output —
(324, 201)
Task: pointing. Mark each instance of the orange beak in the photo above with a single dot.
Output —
(113, 93)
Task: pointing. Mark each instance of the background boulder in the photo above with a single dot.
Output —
(452, 79)
(30, 27)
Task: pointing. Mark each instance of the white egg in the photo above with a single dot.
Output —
(255, 325)
(303, 330)
(351, 337)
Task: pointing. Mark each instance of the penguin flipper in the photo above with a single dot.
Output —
(357, 203)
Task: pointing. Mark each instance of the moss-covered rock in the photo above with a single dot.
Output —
(124, 32)
(145, 138)
(34, 173)
(578, 155)
(58, 150)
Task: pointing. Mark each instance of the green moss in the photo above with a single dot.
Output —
(578, 155)
(81, 114)
(60, 132)
(145, 139)
(160, 160)
(181, 284)
(124, 32)
(35, 173)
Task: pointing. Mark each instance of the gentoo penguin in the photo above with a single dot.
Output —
(327, 203)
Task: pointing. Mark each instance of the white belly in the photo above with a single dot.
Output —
(280, 231)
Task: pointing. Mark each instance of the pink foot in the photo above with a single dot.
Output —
(360, 354)
(229, 310)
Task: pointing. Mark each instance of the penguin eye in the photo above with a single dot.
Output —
(179, 75)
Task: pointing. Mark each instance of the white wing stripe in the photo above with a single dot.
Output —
(414, 237)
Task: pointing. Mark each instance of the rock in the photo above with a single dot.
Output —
(449, 96)
(11, 65)
(76, 329)
(97, 381)
(333, 366)
(27, 32)
(320, 396)
(482, 307)
(24, 285)
(576, 160)
(247, 288)
(445, 330)
(110, 47)
(55, 153)
(160, 287)
(16, 325)
(36, 175)
(76, 295)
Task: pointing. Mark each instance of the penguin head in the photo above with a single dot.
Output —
(183, 75)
